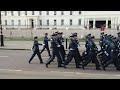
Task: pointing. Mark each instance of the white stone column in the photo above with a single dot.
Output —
(36, 23)
(88, 24)
(106, 23)
(94, 23)
(34, 20)
(82, 21)
(112, 23)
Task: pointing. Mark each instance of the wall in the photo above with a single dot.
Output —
(40, 33)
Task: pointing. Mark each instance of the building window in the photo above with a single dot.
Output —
(12, 22)
(5, 13)
(12, 13)
(33, 12)
(19, 22)
(40, 22)
(62, 12)
(79, 22)
(18, 13)
(79, 12)
(40, 12)
(62, 22)
(47, 22)
(55, 12)
(47, 12)
(55, 23)
(25, 12)
(70, 12)
(5, 22)
(70, 21)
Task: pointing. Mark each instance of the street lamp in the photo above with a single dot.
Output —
(1, 36)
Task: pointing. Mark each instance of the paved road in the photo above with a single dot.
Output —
(14, 64)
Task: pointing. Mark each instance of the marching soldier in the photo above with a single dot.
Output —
(91, 54)
(46, 46)
(62, 50)
(55, 52)
(101, 40)
(113, 53)
(35, 49)
(118, 38)
(73, 47)
(77, 50)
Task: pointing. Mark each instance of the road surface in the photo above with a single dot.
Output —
(14, 65)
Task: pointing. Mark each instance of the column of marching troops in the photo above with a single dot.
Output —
(109, 52)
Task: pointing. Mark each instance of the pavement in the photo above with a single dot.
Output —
(14, 65)
(27, 45)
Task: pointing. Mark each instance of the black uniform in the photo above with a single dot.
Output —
(36, 51)
(73, 53)
(61, 48)
(92, 55)
(55, 52)
(46, 45)
(113, 54)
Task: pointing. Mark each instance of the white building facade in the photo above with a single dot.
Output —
(60, 19)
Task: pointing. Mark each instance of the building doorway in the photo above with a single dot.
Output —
(90, 24)
(109, 24)
(98, 24)
(31, 23)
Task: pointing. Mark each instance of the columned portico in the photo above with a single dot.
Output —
(94, 23)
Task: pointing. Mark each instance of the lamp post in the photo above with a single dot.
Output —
(1, 35)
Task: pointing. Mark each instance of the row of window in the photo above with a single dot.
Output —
(40, 13)
(40, 22)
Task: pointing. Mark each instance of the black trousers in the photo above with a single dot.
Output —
(70, 56)
(112, 60)
(38, 54)
(46, 47)
(91, 56)
(79, 56)
(57, 54)
(62, 53)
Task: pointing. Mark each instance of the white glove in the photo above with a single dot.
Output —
(31, 49)
(43, 44)
(58, 45)
(85, 52)
(78, 46)
(106, 53)
(71, 49)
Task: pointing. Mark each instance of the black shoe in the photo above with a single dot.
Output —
(64, 66)
(46, 65)
(98, 68)
(29, 62)
(83, 67)
(104, 68)
(78, 67)
(60, 66)
(41, 62)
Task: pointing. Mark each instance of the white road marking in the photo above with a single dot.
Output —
(42, 57)
(83, 73)
(117, 75)
(9, 70)
(3, 56)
